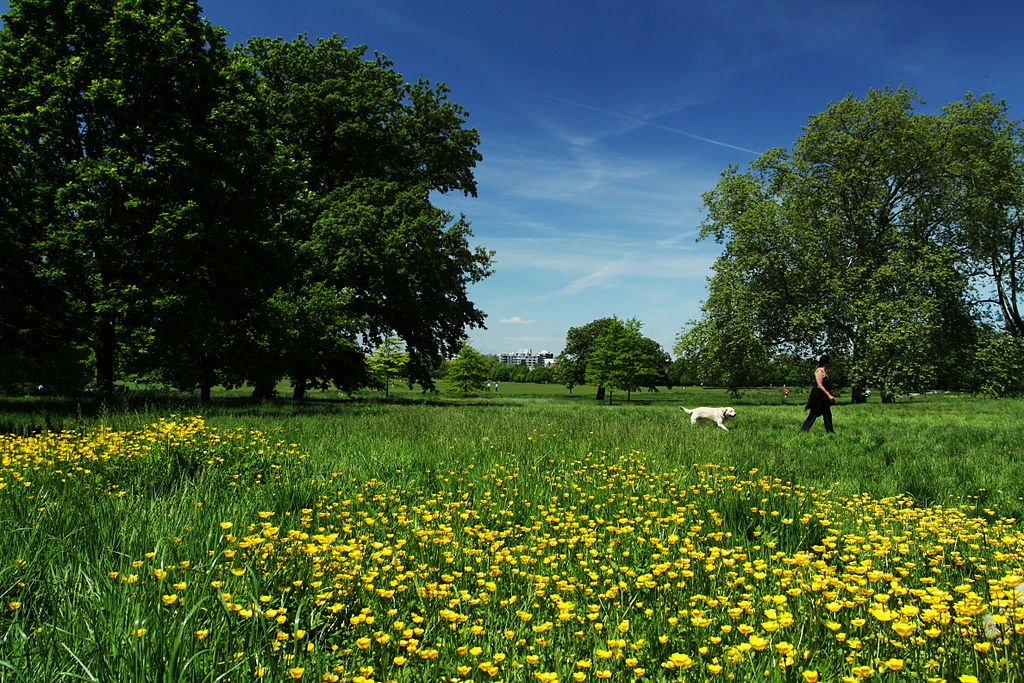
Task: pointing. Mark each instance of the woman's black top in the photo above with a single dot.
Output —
(819, 400)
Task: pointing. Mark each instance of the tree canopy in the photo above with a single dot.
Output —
(858, 240)
(610, 353)
(178, 211)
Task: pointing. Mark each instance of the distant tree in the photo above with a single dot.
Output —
(503, 372)
(623, 359)
(571, 368)
(999, 365)
(466, 373)
(542, 374)
(653, 364)
(722, 350)
(521, 373)
(387, 362)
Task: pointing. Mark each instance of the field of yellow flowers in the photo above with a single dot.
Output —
(183, 551)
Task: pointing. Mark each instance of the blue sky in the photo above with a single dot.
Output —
(603, 122)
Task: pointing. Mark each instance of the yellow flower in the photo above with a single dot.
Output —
(139, 632)
(170, 599)
(202, 633)
(810, 676)
(226, 526)
(894, 664)
(783, 648)
(862, 671)
(363, 643)
(294, 672)
(679, 659)
(579, 677)
(758, 643)
(966, 678)
(399, 660)
(623, 626)
(903, 628)
(14, 605)
(546, 676)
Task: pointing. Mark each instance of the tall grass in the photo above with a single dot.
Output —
(181, 502)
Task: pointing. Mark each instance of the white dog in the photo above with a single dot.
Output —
(716, 415)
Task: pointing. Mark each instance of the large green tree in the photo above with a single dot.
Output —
(845, 243)
(371, 148)
(104, 109)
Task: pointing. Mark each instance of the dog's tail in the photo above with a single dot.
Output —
(685, 410)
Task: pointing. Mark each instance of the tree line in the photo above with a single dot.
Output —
(890, 238)
(174, 210)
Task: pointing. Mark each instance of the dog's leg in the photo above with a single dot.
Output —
(722, 426)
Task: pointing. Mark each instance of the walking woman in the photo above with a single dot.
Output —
(821, 399)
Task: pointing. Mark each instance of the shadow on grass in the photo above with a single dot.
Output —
(31, 414)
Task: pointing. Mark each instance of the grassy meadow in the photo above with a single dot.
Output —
(527, 535)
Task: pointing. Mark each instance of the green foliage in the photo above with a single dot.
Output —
(387, 363)
(370, 149)
(196, 216)
(467, 373)
(622, 358)
(999, 365)
(571, 368)
(848, 243)
(107, 111)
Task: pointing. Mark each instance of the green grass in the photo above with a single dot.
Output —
(62, 539)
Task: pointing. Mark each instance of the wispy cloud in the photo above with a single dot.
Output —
(643, 122)
(516, 320)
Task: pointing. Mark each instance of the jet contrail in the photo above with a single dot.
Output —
(652, 125)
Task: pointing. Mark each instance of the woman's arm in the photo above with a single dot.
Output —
(819, 377)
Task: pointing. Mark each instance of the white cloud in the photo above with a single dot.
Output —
(516, 320)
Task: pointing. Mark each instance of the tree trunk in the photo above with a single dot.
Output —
(600, 393)
(263, 389)
(205, 379)
(858, 396)
(106, 350)
(299, 385)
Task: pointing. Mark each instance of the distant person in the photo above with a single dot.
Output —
(821, 399)
(495, 386)
(785, 393)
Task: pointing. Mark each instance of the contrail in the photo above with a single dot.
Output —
(652, 125)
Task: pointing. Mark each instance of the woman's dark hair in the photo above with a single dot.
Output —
(823, 361)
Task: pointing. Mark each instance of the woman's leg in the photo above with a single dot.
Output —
(826, 418)
(811, 417)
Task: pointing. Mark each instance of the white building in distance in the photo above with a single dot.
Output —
(527, 358)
